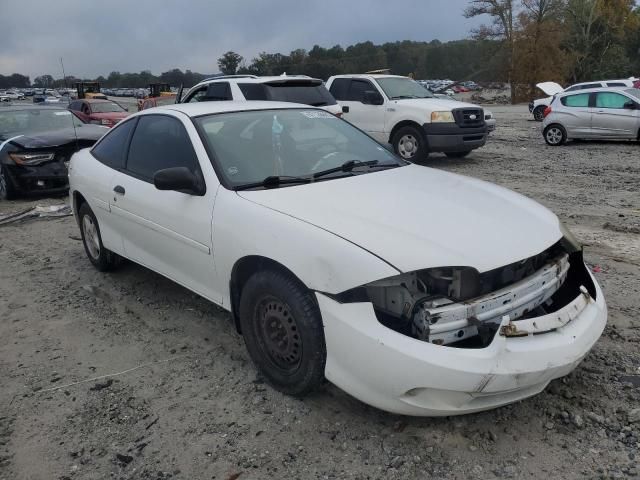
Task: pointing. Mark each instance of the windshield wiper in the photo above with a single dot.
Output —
(400, 97)
(273, 181)
(346, 167)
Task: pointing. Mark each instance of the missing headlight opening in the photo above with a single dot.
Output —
(459, 307)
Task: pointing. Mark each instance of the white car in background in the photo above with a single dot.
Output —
(415, 290)
(537, 107)
(249, 88)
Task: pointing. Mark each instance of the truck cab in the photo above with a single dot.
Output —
(398, 110)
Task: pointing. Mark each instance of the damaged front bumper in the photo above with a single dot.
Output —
(404, 375)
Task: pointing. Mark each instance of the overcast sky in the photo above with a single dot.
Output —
(95, 38)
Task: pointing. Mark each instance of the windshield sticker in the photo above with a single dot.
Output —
(64, 112)
(232, 170)
(317, 114)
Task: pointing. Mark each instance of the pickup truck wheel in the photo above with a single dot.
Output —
(101, 258)
(283, 332)
(458, 154)
(6, 189)
(555, 135)
(410, 144)
(538, 113)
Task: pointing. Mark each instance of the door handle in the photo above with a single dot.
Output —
(119, 189)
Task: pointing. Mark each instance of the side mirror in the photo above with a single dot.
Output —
(179, 179)
(630, 105)
(371, 97)
(345, 109)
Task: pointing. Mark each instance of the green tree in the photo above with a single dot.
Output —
(228, 63)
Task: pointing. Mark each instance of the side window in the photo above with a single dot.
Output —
(339, 88)
(357, 89)
(218, 91)
(253, 91)
(580, 100)
(197, 96)
(159, 142)
(615, 84)
(74, 106)
(587, 86)
(111, 149)
(610, 100)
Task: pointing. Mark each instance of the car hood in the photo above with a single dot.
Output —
(416, 217)
(550, 88)
(64, 136)
(110, 115)
(435, 103)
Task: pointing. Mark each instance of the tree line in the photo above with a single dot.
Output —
(523, 43)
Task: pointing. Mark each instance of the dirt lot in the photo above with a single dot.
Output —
(182, 399)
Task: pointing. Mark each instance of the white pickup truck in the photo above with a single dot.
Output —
(400, 111)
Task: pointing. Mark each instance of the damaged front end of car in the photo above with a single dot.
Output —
(460, 307)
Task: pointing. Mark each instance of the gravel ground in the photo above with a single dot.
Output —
(186, 403)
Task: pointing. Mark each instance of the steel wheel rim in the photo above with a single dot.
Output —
(408, 146)
(279, 336)
(554, 136)
(91, 239)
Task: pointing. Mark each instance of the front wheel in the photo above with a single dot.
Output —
(410, 143)
(458, 154)
(283, 332)
(100, 257)
(555, 135)
(6, 189)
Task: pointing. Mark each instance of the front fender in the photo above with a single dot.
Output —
(322, 260)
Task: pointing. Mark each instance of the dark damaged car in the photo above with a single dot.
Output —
(36, 143)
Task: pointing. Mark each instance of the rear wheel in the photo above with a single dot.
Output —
(538, 113)
(458, 154)
(409, 142)
(555, 135)
(283, 332)
(100, 257)
(6, 189)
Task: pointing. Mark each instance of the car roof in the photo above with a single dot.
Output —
(368, 75)
(254, 79)
(96, 100)
(205, 108)
(601, 82)
(595, 90)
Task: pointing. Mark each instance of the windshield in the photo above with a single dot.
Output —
(22, 122)
(251, 146)
(634, 92)
(106, 107)
(402, 87)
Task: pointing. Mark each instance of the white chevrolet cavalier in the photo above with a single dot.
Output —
(416, 291)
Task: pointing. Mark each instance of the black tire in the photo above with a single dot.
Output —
(101, 258)
(7, 192)
(283, 332)
(538, 113)
(458, 154)
(410, 136)
(555, 135)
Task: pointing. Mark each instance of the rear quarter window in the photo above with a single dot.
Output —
(314, 95)
(580, 100)
(111, 149)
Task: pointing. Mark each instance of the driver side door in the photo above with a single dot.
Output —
(369, 118)
(167, 231)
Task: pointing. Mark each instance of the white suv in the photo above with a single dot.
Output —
(398, 110)
(241, 88)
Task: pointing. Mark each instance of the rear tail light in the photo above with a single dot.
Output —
(546, 112)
